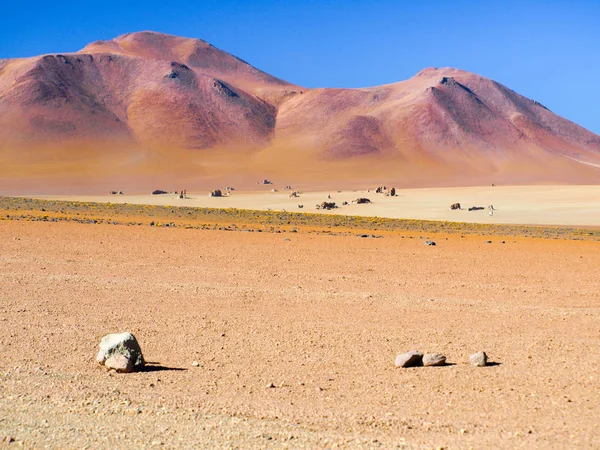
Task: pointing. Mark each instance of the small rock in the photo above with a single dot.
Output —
(409, 359)
(434, 359)
(429, 243)
(196, 364)
(478, 359)
(121, 352)
(270, 386)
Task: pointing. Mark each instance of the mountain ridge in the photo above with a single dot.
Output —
(147, 104)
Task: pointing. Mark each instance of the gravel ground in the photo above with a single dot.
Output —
(296, 335)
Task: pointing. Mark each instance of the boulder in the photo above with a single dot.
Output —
(478, 359)
(409, 359)
(121, 352)
(434, 359)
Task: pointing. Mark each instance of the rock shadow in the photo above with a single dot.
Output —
(156, 367)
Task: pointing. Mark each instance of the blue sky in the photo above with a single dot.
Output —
(546, 50)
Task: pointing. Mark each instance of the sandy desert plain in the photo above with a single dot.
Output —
(295, 321)
(533, 205)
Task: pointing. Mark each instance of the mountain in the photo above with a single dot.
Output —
(148, 108)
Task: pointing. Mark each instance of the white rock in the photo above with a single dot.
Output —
(478, 359)
(121, 351)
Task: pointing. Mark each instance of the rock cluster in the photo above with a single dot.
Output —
(327, 205)
(121, 352)
(415, 358)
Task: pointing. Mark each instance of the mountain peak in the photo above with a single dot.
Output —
(156, 39)
(149, 34)
(145, 43)
(193, 52)
(427, 71)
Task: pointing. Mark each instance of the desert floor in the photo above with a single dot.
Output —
(295, 335)
(535, 205)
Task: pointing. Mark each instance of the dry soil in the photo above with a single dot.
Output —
(295, 335)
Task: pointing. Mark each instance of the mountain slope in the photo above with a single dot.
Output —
(148, 106)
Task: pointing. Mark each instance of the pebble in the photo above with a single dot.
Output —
(409, 359)
(478, 359)
(196, 364)
(434, 359)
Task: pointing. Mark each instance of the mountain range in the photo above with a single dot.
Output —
(149, 110)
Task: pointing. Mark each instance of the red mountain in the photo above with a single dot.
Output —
(148, 108)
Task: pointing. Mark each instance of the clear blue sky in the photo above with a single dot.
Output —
(545, 50)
